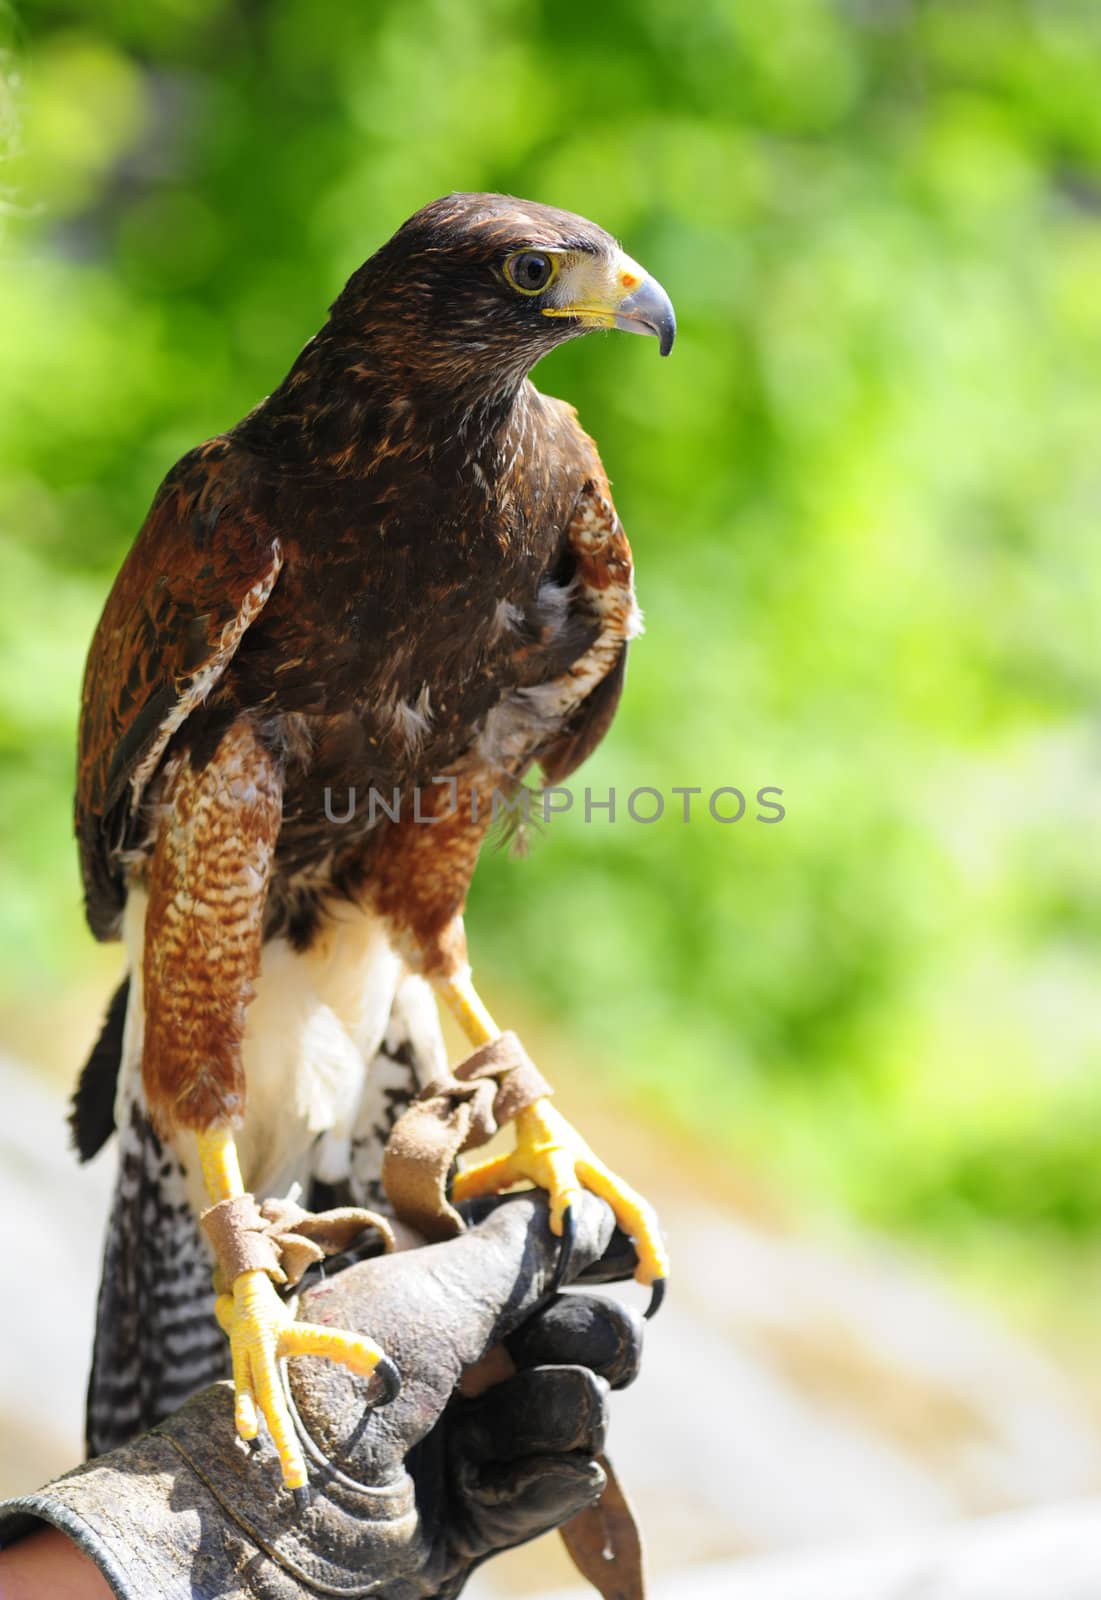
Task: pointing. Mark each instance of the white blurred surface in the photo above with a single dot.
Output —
(1053, 1553)
(51, 1226)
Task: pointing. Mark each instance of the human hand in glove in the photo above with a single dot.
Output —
(492, 1440)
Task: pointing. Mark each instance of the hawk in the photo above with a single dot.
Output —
(400, 576)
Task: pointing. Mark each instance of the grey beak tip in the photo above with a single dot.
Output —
(649, 310)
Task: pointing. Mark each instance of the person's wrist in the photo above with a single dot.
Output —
(47, 1565)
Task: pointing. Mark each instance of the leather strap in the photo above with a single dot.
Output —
(280, 1237)
(455, 1112)
(605, 1544)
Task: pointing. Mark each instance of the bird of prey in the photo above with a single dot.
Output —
(402, 571)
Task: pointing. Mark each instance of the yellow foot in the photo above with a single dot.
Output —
(262, 1332)
(551, 1153)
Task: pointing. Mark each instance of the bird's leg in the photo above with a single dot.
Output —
(551, 1153)
(201, 956)
(262, 1331)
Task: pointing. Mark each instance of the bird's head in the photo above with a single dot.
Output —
(477, 287)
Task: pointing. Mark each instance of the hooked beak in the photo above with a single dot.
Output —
(648, 309)
(615, 293)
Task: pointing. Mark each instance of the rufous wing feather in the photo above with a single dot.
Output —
(199, 573)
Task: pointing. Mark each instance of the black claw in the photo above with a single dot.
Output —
(565, 1252)
(657, 1295)
(390, 1378)
(253, 1446)
(301, 1499)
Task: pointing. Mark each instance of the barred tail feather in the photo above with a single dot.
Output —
(156, 1341)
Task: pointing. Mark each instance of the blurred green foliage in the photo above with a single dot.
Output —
(864, 496)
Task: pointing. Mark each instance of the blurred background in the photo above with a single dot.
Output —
(855, 1053)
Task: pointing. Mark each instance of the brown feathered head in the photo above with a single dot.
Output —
(479, 286)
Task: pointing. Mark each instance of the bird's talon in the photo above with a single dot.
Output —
(301, 1499)
(565, 1253)
(551, 1154)
(262, 1332)
(390, 1378)
(657, 1296)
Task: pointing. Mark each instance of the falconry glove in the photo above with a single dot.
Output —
(495, 1437)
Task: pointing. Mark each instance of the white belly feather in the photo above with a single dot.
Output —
(314, 1026)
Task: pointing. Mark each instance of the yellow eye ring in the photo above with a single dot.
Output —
(531, 271)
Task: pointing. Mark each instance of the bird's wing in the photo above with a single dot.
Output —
(201, 570)
(584, 730)
(603, 596)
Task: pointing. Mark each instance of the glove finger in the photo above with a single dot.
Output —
(545, 1411)
(508, 1505)
(501, 1216)
(616, 1265)
(584, 1330)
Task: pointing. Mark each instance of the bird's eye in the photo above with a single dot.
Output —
(530, 271)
